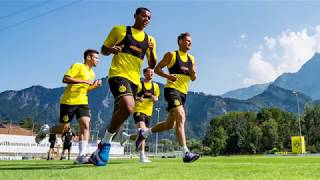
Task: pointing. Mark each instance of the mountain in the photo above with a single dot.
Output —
(246, 93)
(306, 80)
(36, 101)
(42, 105)
(281, 98)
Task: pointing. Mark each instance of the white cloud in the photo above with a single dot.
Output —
(285, 53)
(244, 36)
(270, 42)
(263, 70)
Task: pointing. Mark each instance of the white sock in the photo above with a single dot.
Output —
(142, 155)
(83, 148)
(185, 149)
(147, 132)
(107, 138)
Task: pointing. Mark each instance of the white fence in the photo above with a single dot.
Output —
(26, 145)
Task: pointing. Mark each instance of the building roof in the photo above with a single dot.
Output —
(6, 128)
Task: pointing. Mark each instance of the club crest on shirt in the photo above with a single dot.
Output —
(176, 102)
(65, 118)
(122, 88)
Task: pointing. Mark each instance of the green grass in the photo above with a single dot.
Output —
(233, 167)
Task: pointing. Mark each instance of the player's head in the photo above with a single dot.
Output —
(148, 73)
(142, 17)
(184, 41)
(91, 57)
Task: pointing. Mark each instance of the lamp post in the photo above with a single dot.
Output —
(32, 126)
(158, 110)
(297, 97)
(126, 129)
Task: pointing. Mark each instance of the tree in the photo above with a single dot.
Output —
(27, 123)
(250, 132)
(216, 137)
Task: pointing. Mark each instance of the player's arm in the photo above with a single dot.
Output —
(113, 50)
(165, 62)
(139, 90)
(152, 60)
(70, 80)
(109, 46)
(97, 83)
(193, 70)
(157, 93)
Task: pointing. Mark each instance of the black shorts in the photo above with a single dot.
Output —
(120, 86)
(67, 112)
(140, 117)
(174, 98)
(67, 145)
(52, 143)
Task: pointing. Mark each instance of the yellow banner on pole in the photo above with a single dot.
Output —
(298, 145)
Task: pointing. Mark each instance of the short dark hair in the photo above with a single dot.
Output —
(141, 9)
(182, 35)
(89, 52)
(145, 69)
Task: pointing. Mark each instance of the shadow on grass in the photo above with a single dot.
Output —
(43, 166)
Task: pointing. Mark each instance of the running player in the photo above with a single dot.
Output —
(129, 45)
(182, 69)
(148, 93)
(74, 101)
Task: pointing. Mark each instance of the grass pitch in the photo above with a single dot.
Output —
(233, 167)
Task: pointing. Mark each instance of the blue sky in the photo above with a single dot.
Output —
(235, 43)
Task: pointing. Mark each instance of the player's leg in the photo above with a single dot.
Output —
(143, 124)
(69, 153)
(159, 127)
(66, 115)
(180, 117)
(62, 153)
(123, 91)
(83, 116)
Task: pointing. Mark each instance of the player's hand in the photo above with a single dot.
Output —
(150, 45)
(89, 82)
(97, 83)
(154, 98)
(117, 49)
(172, 77)
(140, 99)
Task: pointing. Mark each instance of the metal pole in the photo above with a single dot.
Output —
(158, 110)
(10, 126)
(297, 97)
(32, 126)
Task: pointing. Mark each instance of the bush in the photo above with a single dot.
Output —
(312, 149)
(273, 151)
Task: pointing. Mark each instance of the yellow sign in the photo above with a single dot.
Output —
(298, 145)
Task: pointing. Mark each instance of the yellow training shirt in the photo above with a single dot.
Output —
(123, 64)
(75, 94)
(182, 82)
(146, 106)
